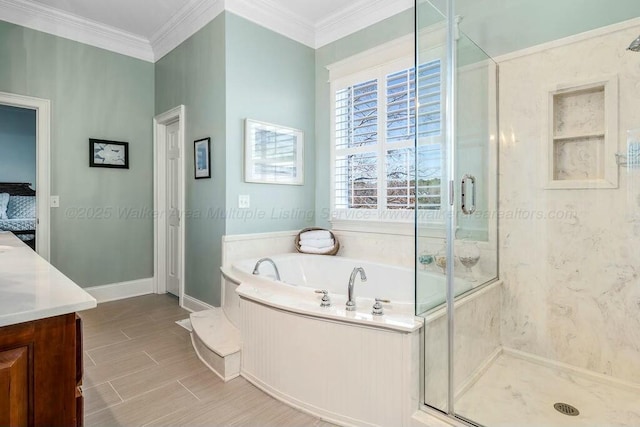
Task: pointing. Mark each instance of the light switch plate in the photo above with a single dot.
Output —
(244, 201)
(55, 201)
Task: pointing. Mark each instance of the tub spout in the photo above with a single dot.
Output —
(256, 269)
(351, 302)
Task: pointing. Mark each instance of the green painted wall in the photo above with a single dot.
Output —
(229, 70)
(367, 38)
(103, 232)
(193, 74)
(270, 78)
(503, 26)
(17, 145)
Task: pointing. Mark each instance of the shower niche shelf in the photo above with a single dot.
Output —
(583, 136)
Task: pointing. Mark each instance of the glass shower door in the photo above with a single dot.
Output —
(456, 229)
(475, 326)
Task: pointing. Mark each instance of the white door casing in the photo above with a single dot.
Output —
(43, 174)
(169, 202)
(174, 172)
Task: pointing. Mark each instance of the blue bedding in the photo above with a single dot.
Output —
(19, 225)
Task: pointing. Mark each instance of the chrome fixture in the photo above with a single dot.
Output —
(635, 45)
(629, 159)
(466, 208)
(351, 302)
(326, 301)
(256, 269)
(377, 307)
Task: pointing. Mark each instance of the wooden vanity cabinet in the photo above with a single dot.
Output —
(41, 373)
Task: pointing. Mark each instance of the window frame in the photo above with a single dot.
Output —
(377, 64)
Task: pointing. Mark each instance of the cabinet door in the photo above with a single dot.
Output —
(14, 374)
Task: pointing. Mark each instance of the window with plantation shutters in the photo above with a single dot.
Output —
(356, 162)
(376, 166)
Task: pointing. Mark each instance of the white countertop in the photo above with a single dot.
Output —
(31, 288)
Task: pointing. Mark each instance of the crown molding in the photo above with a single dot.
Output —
(355, 17)
(188, 21)
(195, 15)
(72, 27)
(276, 18)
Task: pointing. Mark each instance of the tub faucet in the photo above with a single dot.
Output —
(351, 302)
(256, 269)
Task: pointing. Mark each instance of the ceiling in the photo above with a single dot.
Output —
(315, 11)
(133, 16)
(149, 29)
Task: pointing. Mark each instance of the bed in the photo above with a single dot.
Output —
(18, 210)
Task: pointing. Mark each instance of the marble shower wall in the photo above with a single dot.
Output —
(569, 259)
(477, 339)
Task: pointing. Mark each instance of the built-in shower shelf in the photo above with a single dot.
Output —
(583, 136)
(578, 136)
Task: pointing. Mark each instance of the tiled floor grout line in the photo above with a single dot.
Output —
(138, 350)
(86, 353)
(187, 388)
(108, 406)
(151, 390)
(160, 418)
(149, 356)
(86, 414)
(122, 376)
(116, 391)
(107, 345)
(107, 327)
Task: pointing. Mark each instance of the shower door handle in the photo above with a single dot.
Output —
(466, 208)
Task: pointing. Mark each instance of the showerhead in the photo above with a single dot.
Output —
(635, 45)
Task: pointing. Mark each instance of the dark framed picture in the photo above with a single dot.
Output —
(108, 154)
(202, 158)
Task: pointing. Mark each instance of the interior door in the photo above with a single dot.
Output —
(174, 174)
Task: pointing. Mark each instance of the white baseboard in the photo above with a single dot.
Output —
(116, 291)
(192, 304)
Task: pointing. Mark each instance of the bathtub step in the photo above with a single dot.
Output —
(217, 342)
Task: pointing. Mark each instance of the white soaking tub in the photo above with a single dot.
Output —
(301, 275)
(347, 367)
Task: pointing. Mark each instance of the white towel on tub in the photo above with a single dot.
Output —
(315, 235)
(317, 243)
(312, 250)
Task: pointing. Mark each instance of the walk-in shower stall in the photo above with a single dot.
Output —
(527, 177)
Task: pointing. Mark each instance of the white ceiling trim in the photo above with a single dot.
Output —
(195, 15)
(188, 21)
(358, 16)
(276, 18)
(66, 25)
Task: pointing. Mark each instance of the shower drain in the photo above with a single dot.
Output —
(566, 409)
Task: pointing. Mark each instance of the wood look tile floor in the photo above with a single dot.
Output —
(141, 370)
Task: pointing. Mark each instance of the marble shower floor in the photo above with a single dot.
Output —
(519, 392)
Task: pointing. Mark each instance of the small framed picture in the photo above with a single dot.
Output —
(202, 158)
(108, 154)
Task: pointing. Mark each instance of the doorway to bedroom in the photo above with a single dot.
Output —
(25, 139)
(18, 154)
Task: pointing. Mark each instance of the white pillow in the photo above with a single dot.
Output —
(4, 201)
